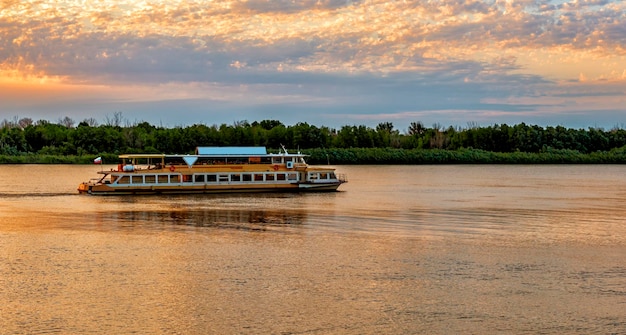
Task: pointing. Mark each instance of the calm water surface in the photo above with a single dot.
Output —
(400, 250)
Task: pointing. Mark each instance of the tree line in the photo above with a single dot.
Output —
(24, 137)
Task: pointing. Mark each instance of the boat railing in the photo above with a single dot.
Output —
(342, 177)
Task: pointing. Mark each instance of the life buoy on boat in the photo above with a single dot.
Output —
(275, 167)
(172, 168)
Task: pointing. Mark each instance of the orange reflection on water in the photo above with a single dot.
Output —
(403, 249)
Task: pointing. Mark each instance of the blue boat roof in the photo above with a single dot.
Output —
(231, 151)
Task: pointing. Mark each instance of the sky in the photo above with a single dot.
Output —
(327, 62)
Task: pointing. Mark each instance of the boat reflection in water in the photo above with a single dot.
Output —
(485, 249)
(213, 218)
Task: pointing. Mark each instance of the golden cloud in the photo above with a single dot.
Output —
(375, 36)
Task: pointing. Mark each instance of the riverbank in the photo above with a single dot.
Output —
(387, 156)
(51, 159)
(463, 156)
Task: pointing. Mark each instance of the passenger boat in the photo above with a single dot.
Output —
(213, 170)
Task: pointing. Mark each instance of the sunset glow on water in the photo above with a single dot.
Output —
(400, 250)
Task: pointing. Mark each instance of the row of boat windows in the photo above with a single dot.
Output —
(215, 178)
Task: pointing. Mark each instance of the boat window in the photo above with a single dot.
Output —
(199, 178)
(258, 177)
(186, 178)
(174, 178)
(123, 180)
(292, 176)
(163, 179)
(332, 175)
(280, 176)
(137, 179)
(151, 179)
(246, 177)
(211, 178)
(269, 177)
(223, 178)
(235, 177)
(323, 175)
(276, 160)
(314, 176)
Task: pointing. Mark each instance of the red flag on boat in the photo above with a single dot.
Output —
(98, 160)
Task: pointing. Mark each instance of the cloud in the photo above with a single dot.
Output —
(366, 56)
(289, 6)
(127, 40)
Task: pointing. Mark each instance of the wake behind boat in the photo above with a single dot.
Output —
(213, 170)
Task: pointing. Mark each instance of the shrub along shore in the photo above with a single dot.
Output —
(371, 156)
(24, 141)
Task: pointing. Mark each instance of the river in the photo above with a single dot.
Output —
(471, 249)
